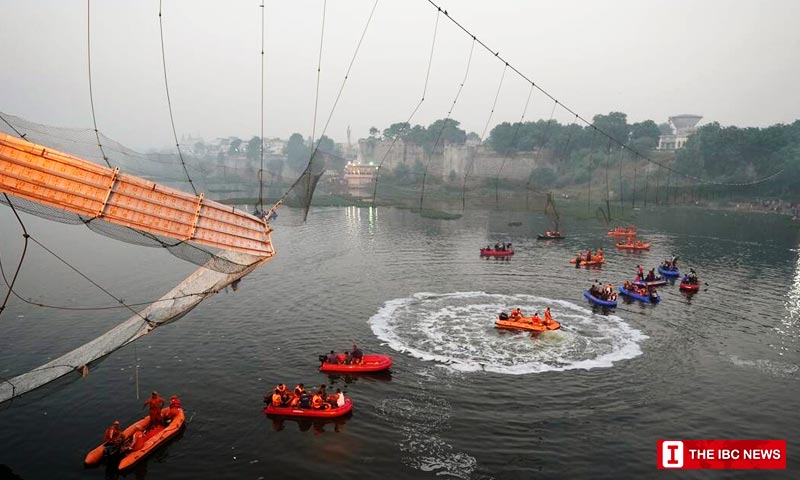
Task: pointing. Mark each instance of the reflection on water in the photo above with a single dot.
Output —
(305, 424)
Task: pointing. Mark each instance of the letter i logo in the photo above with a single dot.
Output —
(672, 454)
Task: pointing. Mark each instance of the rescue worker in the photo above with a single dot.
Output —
(316, 401)
(332, 357)
(155, 403)
(536, 319)
(547, 317)
(174, 408)
(113, 439)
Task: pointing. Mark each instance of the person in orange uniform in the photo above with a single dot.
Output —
(155, 403)
(174, 408)
(114, 438)
(516, 314)
(536, 319)
(547, 317)
(316, 401)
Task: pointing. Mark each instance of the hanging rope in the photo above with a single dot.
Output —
(21, 257)
(589, 182)
(407, 124)
(544, 140)
(510, 147)
(91, 94)
(471, 162)
(307, 172)
(496, 54)
(169, 102)
(444, 124)
(261, 170)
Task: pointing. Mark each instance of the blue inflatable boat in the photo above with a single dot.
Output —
(598, 301)
(641, 298)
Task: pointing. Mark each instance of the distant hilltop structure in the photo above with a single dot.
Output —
(682, 127)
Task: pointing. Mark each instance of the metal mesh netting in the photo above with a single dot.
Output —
(172, 306)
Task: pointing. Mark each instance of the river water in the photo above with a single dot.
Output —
(463, 400)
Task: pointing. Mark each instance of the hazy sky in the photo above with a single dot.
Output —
(735, 62)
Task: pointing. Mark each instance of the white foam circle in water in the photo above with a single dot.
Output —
(457, 329)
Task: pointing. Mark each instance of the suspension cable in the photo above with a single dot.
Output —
(91, 93)
(407, 123)
(261, 170)
(511, 146)
(445, 123)
(307, 171)
(471, 162)
(169, 102)
(26, 236)
(496, 54)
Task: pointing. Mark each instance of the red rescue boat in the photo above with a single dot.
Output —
(310, 412)
(369, 363)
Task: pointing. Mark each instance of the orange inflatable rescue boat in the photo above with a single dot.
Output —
(527, 323)
(145, 439)
(593, 261)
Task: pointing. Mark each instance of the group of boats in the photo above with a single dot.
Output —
(145, 436)
(643, 287)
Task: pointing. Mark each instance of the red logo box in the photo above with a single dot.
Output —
(721, 454)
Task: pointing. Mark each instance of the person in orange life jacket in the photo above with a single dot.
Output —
(155, 403)
(276, 398)
(357, 354)
(316, 401)
(599, 253)
(640, 271)
(297, 393)
(284, 393)
(113, 439)
(174, 408)
(547, 317)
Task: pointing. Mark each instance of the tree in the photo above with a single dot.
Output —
(297, 152)
(665, 129)
(473, 137)
(373, 132)
(395, 129)
(275, 168)
(328, 148)
(648, 129)
(614, 124)
(445, 131)
(254, 149)
(234, 145)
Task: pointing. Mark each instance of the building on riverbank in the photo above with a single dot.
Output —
(682, 127)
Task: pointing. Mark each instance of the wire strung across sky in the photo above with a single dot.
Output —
(496, 54)
(407, 123)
